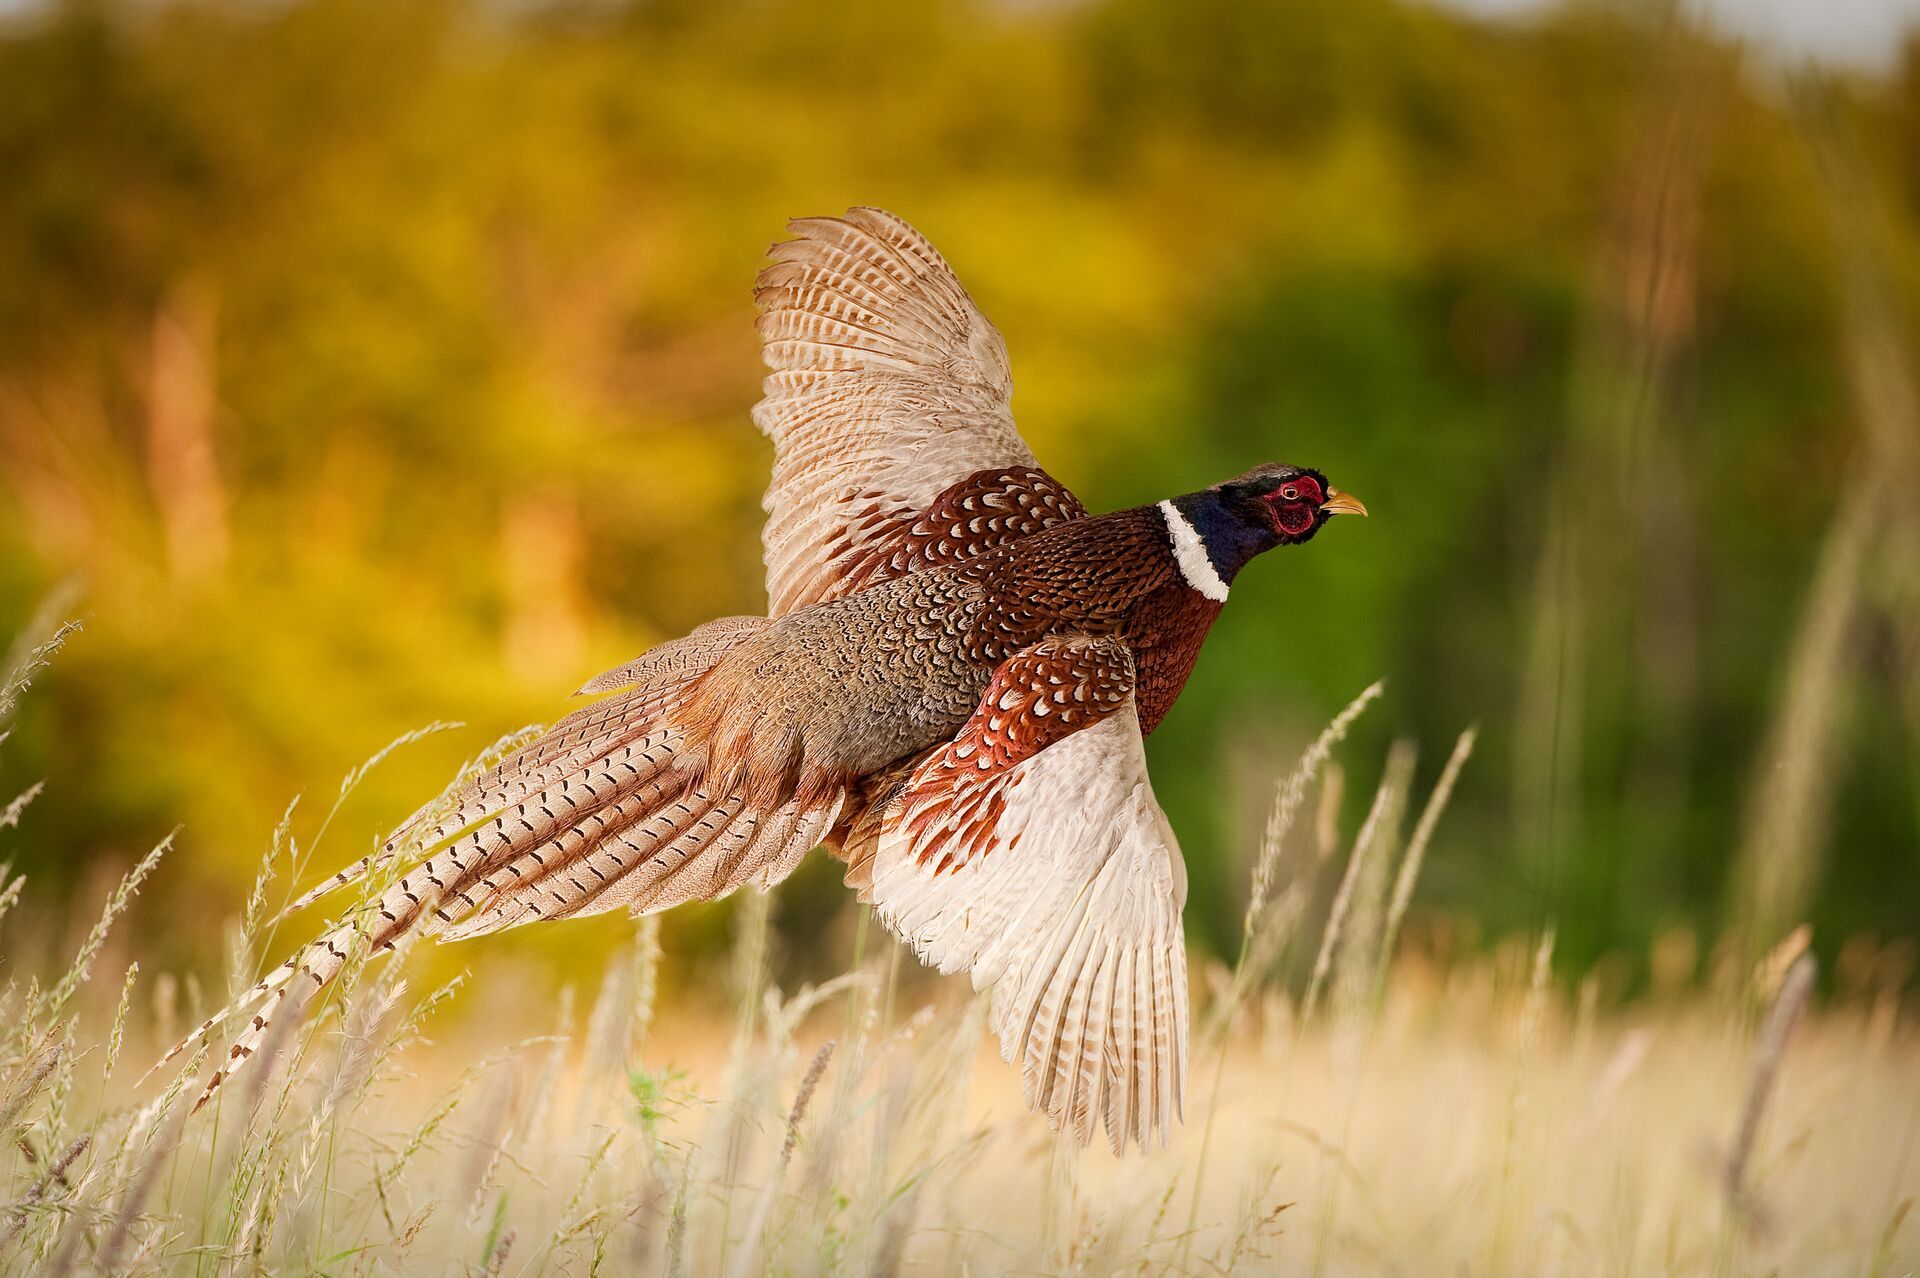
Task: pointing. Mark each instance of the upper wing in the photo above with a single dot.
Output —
(1030, 850)
(894, 445)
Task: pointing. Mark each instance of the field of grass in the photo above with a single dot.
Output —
(1390, 1109)
(442, 311)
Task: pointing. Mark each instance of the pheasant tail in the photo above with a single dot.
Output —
(617, 806)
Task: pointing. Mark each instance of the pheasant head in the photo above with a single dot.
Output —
(1270, 505)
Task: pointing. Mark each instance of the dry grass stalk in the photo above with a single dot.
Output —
(646, 982)
(894, 1229)
(10, 894)
(31, 1077)
(30, 656)
(609, 1033)
(1771, 972)
(1792, 790)
(263, 877)
(1256, 1227)
(117, 1036)
(753, 920)
(533, 1120)
(677, 1223)
(82, 967)
(60, 1086)
(810, 1081)
(1326, 817)
(372, 1045)
(1793, 776)
(1788, 1007)
(1625, 1062)
(1416, 854)
(1260, 935)
(1292, 793)
(743, 1262)
(487, 1141)
(573, 1221)
(1343, 896)
(133, 1198)
(1276, 928)
(56, 1173)
(10, 815)
(1358, 959)
(1532, 1014)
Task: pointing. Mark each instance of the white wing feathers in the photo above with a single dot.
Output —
(1067, 904)
(888, 386)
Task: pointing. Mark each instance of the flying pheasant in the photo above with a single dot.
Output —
(950, 693)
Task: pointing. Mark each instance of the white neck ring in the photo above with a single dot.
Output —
(1188, 551)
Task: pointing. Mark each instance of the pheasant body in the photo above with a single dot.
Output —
(950, 692)
(851, 685)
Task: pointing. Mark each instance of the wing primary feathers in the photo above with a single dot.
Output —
(1123, 1042)
(886, 387)
(1050, 873)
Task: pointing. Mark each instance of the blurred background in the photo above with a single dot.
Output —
(368, 364)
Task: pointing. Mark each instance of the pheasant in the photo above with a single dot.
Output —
(949, 692)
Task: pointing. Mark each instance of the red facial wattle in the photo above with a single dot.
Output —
(1295, 505)
(1294, 518)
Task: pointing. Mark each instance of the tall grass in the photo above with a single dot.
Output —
(1403, 1112)
(1866, 566)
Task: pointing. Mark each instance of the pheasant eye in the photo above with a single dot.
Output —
(1290, 493)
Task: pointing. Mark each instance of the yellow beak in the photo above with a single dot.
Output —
(1339, 503)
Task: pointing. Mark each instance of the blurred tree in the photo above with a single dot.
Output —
(375, 363)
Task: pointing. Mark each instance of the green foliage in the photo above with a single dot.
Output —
(380, 363)
(658, 1095)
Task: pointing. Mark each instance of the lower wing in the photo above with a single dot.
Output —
(1030, 852)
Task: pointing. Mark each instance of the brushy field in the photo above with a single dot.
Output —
(1384, 1110)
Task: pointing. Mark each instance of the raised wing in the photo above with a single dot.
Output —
(888, 407)
(1030, 851)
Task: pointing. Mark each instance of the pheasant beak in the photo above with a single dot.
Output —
(1339, 503)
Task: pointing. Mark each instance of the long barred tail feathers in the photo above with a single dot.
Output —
(318, 964)
(406, 835)
(570, 743)
(320, 961)
(614, 807)
(648, 686)
(545, 823)
(438, 891)
(687, 846)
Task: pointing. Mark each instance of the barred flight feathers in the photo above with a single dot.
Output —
(888, 387)
(1030, 852)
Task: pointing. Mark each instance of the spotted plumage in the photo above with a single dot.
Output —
(950, 691)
